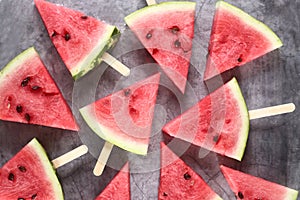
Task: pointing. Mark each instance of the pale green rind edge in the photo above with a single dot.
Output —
(108, 135)
(244, 131)
(291, 194)
(48, 168)
(256, 24)
(161, 7)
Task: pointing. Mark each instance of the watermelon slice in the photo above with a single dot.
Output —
(29, 175)
(28, 94)
(246, 186)
(125, 117)
(219, 122)
(166, 30)
(179, 181)
(119, 187)
(79, 39)
(236, 38)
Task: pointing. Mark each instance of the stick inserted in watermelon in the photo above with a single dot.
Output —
(28, 94)
(236, 38)
(81, 40)
(179, 181)
(246, 186)
(30, 175)
(124, 118)
(220, 121)
(166, 30)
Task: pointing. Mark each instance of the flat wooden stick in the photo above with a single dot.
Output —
(271, 111)
(103, 157)
(68, 157)
(114, 63)
(150, 2)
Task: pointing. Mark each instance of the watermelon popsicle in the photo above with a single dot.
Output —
(220, 121)
(81, 40)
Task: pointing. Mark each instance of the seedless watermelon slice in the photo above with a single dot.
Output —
(80, 40)
(29, 175)
(166, 30)
(125, 117)
(119, 187)
(219, 122)
(28, 94)
(236, 38)
(179, 181)
(246, 186)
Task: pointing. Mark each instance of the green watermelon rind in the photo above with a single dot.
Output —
(48, 168)
(251, 21)
(107, 41)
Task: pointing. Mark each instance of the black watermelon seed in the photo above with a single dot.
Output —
(22, 168)
(20, 198)
(127, 92)
(165, 194)
(54, 34)
(34, 196)
(84, 17)
(240, 195)
(11, 177)
(216, 138)
(27, 117)
(35, 87)
(149, 35)
(240, 59)
(174, 29)
(25, 81)
(187, 176)
(19, 108)
(67, 36)
(177, 44)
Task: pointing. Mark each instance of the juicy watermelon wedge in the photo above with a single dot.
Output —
(179, 181)
(119, 187)
(166, 30)
(28, 94)
(246, 186)
(79, 39)
(125, 117)
(236, 38)
(29, 175)
(219, 122)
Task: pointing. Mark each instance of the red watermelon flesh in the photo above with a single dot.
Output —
(219, 122)
(249, 187)
(28, 94)
(79, 39)
(166, 30)
(179, 181)
(236, 38)
(29, 175)
(119, 187)
(124, 118)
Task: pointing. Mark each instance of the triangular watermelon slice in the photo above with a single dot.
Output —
(236, 38)
(119, 187)
(219, 122)
(79, 39)
(166, 30)
(29, 175)
(179, 181)
(125, 117)
(28, 94)
(246, 186)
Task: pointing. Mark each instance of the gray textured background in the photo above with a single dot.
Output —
(273, 149)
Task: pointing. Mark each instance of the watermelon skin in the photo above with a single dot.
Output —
(171, 26)
(124, 118)
(44, 105)
(236, 39)
(219, 122)
(33, 175)
(246, 186)
(119, 187)
(88, 38)
(179, 181)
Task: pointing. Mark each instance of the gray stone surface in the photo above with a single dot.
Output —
(273, 147)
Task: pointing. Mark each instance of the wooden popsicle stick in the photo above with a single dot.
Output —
(103, 157)
(271, 111)
(68, 157)
(150, 2)
(114, 63)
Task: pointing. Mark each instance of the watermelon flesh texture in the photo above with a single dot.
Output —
(166, 30)
(179, 181)
(219, 122)
(236, 38)
(246, 187)
(29, 175)
(124, 118)
(79, 39)
(119, 187)
(28, 94)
